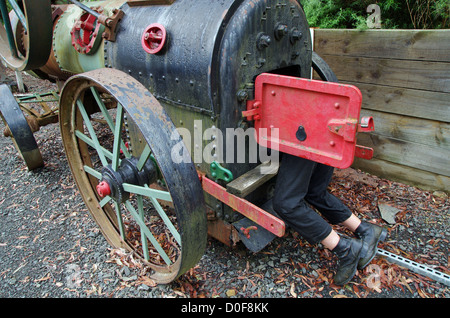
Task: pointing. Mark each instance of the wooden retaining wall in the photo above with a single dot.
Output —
(404, 76)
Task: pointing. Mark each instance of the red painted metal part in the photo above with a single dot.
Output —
(103, 189)
(251, 211)
(315, 120)
(154, 38)
(84, 33)
(367, 125)
(364, 152)
(246, 231)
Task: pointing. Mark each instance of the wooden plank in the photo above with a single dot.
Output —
(428, 76)
(427, 132)
(422, 45)
(404, 76)
(400, 173)
(404, 101)
(253, 179)
(411, 154)
(408, 102)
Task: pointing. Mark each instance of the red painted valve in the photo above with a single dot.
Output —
(103, 189)
(87, 34)
(154, 38)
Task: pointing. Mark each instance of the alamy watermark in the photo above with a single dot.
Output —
(73, 278)
(374, 20)
(234, 145)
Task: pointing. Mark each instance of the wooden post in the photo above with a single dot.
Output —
(2, 73)
(20, 85)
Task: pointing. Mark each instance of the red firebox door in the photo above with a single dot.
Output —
(311, 119)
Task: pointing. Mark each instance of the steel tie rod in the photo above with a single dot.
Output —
(85, 8)
(415, 267)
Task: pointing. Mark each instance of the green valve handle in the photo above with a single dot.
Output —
(220, 173)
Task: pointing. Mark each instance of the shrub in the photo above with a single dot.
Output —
(395, 14)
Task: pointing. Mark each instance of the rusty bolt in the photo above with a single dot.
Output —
(280, 31)
(296, 35)
(263, 42)
(7, 132)
(242, 95)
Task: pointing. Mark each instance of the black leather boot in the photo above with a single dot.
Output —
(370, 234)
(349, 251)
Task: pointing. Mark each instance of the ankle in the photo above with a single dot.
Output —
(331, 241)
(352, 223)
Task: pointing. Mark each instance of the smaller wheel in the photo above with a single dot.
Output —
(323, 69)
(18, 129)
(26, 36)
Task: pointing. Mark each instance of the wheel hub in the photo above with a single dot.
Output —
(128, 172)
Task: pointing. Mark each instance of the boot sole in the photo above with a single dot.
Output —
(381, 238)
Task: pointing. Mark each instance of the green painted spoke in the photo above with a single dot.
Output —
(8, 29)
(91, 143)
(117, 138)
(105, 201)
(148, 192)
(91, 130)
(19, 13)
(166, 220)
(148, 233)
(140, 201)
(93, 172)
(120, 220)
(103, 108)
(144, 157)
(108, 119)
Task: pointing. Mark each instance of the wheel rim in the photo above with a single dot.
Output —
(34, 17)
(119, 184)
(323, 69)
(19, 130)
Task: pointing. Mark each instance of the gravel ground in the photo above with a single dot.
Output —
(51, 248)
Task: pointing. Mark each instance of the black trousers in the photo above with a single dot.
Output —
(302, 183)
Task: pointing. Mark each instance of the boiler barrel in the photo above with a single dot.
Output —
(212, 51)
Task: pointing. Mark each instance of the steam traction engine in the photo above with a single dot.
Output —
(132, 72)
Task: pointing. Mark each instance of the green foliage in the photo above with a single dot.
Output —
(9, 9)
(429, 13)
(395, 14)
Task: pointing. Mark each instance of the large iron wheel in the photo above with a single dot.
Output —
(118, 141)
(26, 35)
